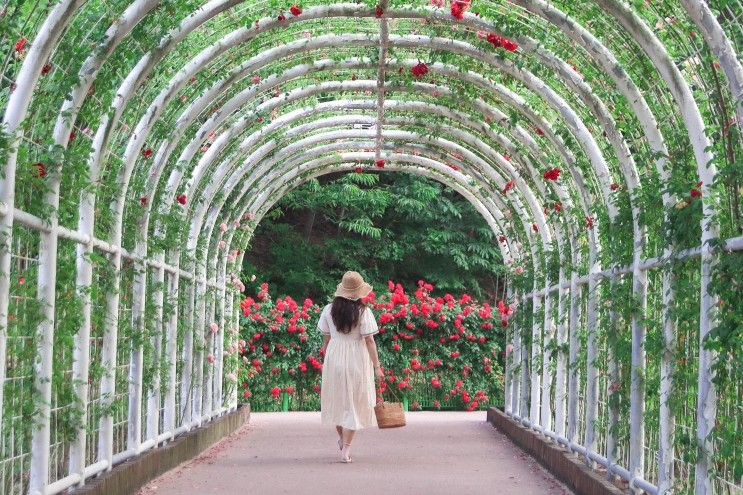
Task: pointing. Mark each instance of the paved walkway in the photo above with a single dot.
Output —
(436, 453)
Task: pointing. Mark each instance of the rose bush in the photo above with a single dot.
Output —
(437, 352)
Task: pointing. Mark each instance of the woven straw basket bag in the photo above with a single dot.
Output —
(389, 414)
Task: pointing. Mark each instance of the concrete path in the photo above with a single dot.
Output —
(291, 453)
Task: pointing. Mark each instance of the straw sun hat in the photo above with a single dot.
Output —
(353, 287)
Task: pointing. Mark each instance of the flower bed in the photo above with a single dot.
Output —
(437, 352)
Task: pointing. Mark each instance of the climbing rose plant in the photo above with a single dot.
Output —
(436, 352)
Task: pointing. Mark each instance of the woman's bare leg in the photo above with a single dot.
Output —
(346, 450)
(348, 436)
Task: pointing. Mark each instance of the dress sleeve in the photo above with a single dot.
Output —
(322, 323)
(370, 324)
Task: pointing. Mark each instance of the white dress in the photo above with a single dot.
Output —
(348, 393)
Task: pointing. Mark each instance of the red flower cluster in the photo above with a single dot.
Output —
(181, 199)
(696, 192)
(358, 170)
(379, 163)
(458, 8)
(614, 186)
(295, 10)
(281, 18)
(501, 42)
(143, 200)
(378, 11)
(20, 45)
(508, 187)
(438, 344)
(147, 153)
(552, 174)
(40, 169)
(419, 70)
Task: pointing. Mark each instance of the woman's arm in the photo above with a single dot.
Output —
(325, 340)
(371, 346)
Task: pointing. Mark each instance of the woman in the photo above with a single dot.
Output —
(351, 361)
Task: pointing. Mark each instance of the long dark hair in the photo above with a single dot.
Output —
(346, 313)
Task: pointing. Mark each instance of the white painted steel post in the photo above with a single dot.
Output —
(573, 347)
(563, 298)
(536, 354)
(136, 357)
(156, 338)
(188, 355)
(108, 361)
(592, 384)
(667, 418)
(548, 333)
(171, 350)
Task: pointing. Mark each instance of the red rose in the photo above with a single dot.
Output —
(72, 136)
(458, 7)
(295, 10)
(502, 238)
(509, 45)
(420, 70)
(495, 40)
(21, 280)
(46, 69)
(246, 394)
(143, 200)
(378, 11)
(147, 153)
(509, 186)
(539, 131)
(281, 18)
(614, 186)
(552, 174)
(589, 222)
(534, 227)
(289, 390)
(40, 169)
(558, 207)
(182, 199)
(20, 45)
(358, 170)
(696, 191)
(379, 163)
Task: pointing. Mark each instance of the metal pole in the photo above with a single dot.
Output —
(187, 356)
(136, 357)
(592, 386)
(171, 350)
(536, 354)
(562, 359)
(156, 339)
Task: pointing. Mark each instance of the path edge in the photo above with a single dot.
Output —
(562, 464)
(131, 475)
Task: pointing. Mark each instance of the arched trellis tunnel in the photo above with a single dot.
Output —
(143, 140)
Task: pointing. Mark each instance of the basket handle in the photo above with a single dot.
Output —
(391, 389)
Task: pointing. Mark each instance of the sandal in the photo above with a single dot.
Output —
(347, 456)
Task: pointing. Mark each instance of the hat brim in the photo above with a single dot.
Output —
(353, 295)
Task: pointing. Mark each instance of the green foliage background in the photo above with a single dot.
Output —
(385, 226)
